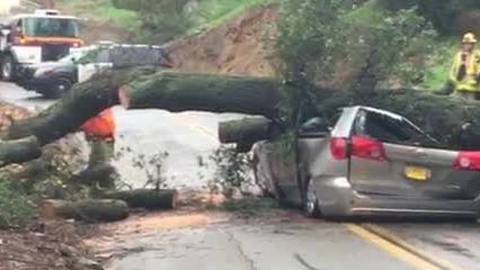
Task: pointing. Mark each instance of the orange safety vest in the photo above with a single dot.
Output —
(101, 126)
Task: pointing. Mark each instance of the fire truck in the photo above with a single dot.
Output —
(28, 39)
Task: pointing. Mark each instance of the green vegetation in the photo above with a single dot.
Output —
(15, 207)
(103, 11)
(439, 64)
(231, 170)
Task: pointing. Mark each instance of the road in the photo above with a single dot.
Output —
(279, 240)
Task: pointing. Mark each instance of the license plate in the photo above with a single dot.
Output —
(417, 173)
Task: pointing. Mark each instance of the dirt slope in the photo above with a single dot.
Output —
(241, 47)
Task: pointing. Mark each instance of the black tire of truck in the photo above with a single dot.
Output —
(61, 86)
(7, 68)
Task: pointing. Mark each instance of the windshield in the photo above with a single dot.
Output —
(51, 27)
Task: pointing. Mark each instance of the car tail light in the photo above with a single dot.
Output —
(468, 161)
(367, 148)
(339, 148)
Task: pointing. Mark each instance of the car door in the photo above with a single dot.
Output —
(283, 165)
(390, 156)
(98, 61)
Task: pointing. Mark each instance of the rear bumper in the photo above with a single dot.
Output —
(338, 199)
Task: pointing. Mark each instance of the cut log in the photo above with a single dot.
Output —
(247, 130)
(101, 175)
(87, 210)
(146, 198)
(19, 151)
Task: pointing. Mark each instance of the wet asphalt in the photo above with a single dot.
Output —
(260, 243)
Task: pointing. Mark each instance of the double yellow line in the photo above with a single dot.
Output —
(400, 249)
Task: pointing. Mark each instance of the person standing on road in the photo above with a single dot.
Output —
(99, 132)
(465, 72)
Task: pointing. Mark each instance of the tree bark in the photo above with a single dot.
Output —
(246, 130)
(86, 210)
(84, 101)
(178, 92)
(146, 198)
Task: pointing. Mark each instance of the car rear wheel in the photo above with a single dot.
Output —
(60, 88)
(310, 206)
(7, 68)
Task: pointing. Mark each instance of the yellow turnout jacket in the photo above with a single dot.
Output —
(470, 82)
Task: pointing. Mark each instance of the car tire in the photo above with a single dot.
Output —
(7, 68)
(311, 208)
(60, 88)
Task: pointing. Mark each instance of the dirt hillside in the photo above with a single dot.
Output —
(241, 47)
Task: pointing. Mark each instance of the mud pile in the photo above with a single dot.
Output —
(241, 47)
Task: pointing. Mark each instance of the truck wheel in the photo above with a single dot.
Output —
(310, 206)
(60, 88)
(7, 68)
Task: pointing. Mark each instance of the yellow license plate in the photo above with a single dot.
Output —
(417, 173)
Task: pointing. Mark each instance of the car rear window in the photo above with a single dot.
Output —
(392, 130)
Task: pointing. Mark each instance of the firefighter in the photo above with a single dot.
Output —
(465, 72)
(99, 132)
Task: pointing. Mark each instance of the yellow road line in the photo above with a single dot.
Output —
(389, 236)
(399, 252)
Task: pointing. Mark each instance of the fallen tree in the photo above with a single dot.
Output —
(442, 116)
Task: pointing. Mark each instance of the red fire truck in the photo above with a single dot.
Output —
(27, 39)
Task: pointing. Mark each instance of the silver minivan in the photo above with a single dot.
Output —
(369, 162)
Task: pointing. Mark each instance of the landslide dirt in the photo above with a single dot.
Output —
(241, 47)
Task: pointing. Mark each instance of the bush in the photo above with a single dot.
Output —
(232, 172)
(15, 207)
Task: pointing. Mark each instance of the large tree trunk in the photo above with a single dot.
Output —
(178, 92)
(442, 116)
(170, 91)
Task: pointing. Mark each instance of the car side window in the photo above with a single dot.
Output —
(389, 129)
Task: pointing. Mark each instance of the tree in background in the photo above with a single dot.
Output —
(161, 19)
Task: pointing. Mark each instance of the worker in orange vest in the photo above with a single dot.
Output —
(100, 131)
